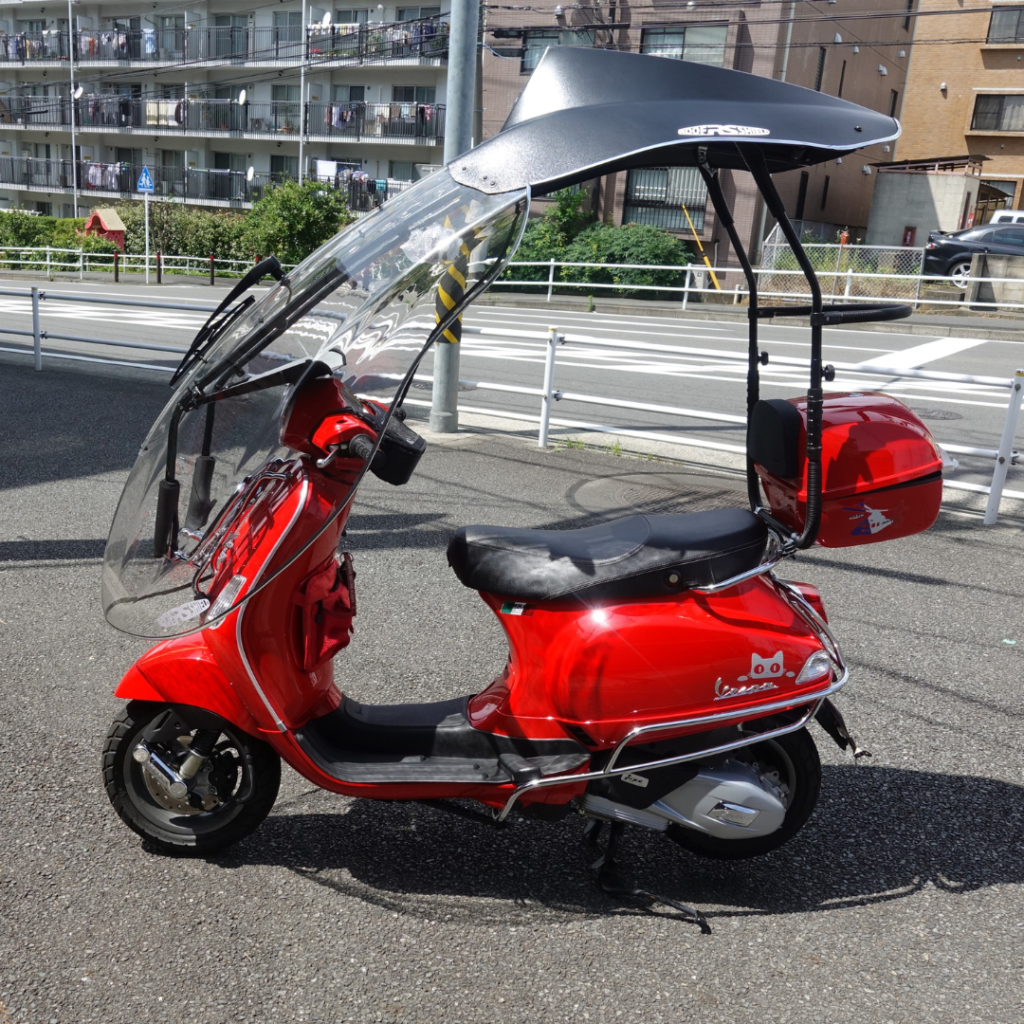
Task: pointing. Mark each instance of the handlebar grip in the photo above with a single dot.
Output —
(361, 446)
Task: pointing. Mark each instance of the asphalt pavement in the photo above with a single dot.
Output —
(901, 901)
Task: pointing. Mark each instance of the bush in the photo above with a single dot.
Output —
(545, 238)
(564, 235)
(176, 230)
(631, 243)
(291, 220)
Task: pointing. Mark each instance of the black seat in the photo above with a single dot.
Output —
(639, 556)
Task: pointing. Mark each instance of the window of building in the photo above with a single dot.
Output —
(703, 44)
(352, 16)
(413, 93)
(288, 26)
(998, 114)
(229, 161)
(824, 192)
(657, 195)
(401, 170)
(349, 93)
(1007, 25)
(819, 71)
(842, 79)
(910, 11)
(412, 13)
(894, 102)
(536, 41)
(44, 209)
(282, 167)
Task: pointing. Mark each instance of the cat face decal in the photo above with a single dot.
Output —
(762, 672)
(766, 668)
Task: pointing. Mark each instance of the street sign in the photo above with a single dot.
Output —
(145, 182)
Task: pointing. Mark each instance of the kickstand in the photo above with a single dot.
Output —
(610, 880)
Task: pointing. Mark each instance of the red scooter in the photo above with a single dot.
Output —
(659, 674)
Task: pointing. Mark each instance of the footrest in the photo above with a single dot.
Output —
(527, 769)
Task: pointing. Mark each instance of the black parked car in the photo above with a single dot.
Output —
(949, 254)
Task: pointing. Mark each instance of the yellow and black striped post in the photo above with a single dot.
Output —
(451, 290)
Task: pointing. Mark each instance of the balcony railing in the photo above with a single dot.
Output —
(367, 195)
(421, 123)
(186, 183)
(425, 39)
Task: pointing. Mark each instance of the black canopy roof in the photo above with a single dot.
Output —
(587, 112)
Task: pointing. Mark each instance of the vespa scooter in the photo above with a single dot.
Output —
(660, 672)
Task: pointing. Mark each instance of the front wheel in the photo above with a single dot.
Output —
(791, 762)
(233, 792)
(960, 273)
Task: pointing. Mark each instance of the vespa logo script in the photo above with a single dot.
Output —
(729, 130)
(762, 672)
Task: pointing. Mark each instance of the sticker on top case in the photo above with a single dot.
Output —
(867, 520)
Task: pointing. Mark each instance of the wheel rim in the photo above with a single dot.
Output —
(228, 772)
(770, 760)
(961, 274)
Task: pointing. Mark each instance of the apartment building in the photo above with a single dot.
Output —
(217, 99)
(801, 42)
(964, 111)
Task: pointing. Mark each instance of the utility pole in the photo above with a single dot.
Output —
(463, 43)
(302, 93)
(74, 99)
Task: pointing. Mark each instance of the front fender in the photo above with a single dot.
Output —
(184, 671)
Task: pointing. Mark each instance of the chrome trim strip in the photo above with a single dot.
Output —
(303, 498)
(714, 588)
(775, 555)
(814, 700)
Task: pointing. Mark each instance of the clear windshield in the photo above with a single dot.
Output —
(364, 304)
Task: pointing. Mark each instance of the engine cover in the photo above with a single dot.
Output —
(731, 802)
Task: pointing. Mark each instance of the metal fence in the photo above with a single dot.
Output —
(419, 123)
(874, 271)
(415, 41)
(850, 376)
(52, 260)
(694, 285)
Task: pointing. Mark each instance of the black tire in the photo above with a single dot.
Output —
(795, 757)
(245, 774)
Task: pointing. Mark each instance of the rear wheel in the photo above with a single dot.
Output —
(232, 794)
(960, 273)
(791, 763)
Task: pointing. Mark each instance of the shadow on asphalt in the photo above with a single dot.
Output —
(60, 425)
(878, 835)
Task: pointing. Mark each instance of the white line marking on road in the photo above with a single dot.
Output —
(929, 352)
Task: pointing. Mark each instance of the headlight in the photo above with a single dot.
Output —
(816, 666)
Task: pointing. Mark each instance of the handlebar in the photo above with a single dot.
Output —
(361, 446)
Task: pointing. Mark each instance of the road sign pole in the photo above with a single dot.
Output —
(145, 200)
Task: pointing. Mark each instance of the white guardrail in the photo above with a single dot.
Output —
(1002, 457)
(51, 260)
(846, 285)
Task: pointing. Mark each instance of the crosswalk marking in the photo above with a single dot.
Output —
(929, 352)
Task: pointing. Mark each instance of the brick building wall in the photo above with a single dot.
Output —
(811, 50)
(955, 51)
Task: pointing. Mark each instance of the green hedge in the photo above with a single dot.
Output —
(564, 235)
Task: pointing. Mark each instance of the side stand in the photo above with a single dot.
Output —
(610, 880)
